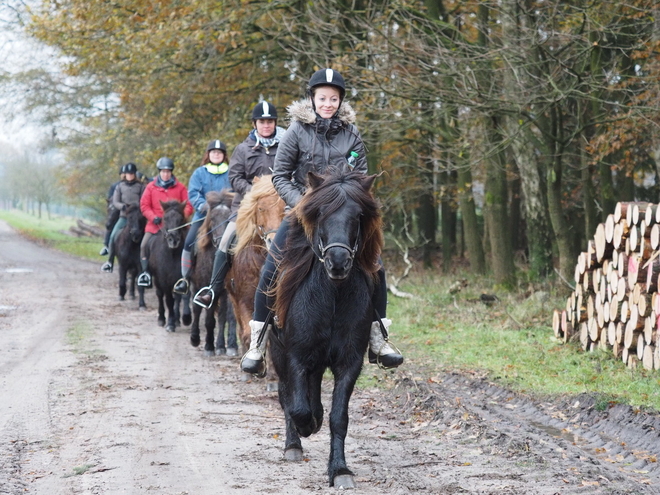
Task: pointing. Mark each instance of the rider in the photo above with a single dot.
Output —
(164, 187)
(211, 176)
(252, 158)
(112, 213)
(128, 192)
(322, 134)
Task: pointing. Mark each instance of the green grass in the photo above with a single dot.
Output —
(511, 342)
(52, 233)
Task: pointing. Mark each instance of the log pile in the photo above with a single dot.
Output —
(83, 229)
(616, 304)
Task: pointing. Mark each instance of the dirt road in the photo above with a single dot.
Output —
(95, 398)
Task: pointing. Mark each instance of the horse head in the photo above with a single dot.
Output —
(173, 221)
(218, 211)
(332, 214)
(260, 214)
(135, 223)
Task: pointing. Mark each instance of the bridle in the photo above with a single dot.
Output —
(352, 250)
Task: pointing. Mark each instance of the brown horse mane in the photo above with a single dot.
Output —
(324, 197)
(246, 225)
(213, 200)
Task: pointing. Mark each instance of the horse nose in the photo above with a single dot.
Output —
(338, 266)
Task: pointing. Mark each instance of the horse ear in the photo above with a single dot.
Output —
(368, 181)
(162, 204)
(314, 180)
(256, 179)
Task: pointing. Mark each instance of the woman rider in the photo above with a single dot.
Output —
(322, 134)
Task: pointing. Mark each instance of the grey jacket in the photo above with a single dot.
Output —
(127, 193)
(314, 144)
(249, 160)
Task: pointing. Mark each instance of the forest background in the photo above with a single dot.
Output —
(505, 131)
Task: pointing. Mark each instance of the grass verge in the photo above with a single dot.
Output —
(510, 341)
(52, 232)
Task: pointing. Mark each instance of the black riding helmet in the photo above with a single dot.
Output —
(165, 163)
(264, 110)
(216, 144)
(122, 169)
(327, 77)
(130, 168)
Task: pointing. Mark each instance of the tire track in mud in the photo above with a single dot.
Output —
(617, 448)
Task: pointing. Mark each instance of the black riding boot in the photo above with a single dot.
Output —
(220, 268)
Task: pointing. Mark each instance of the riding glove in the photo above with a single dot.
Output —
(157, 220)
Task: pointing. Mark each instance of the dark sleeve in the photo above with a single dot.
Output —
(286, 161)
(358, 147)
(237, 176)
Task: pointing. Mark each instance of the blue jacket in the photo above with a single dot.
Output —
(201, 182)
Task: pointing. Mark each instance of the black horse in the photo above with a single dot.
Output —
(323, 308)
(208, 237)
(127, 247)
(165, 262)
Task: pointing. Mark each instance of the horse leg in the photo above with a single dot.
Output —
(293, 450)
(131, 284)
(231, 328)
(346, 375)
(161, 307)
(186, 318)
(141, 304)
(209, 323)
(194, 329)
(176, 309)
(300, 408)
(171, 312)
(221, 311)
(122, 282)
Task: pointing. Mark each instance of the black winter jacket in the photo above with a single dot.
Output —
(312, 143)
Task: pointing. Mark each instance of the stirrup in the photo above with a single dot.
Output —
(197, 301)
(144, 280)
(106, 267)
(386, 361)
(182, 280)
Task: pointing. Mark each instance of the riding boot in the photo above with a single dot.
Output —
(381, 351)
(144, 279)
(254, 359)
(107, 266)
(181, 287)
(205, 295)
(183, 284)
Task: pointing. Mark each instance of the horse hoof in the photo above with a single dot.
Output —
(272, 387)
(121, 298)
(161, 323)
(187, 319)
(142, 308)
(221, 352)
(294, 455)
(208, 353)
(170, 328)
(194, 341)
(344, 481)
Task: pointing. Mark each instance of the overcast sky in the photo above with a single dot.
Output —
(17, 53)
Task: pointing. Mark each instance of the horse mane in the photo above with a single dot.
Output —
(246, 225)
(214, 199)
(329, 193)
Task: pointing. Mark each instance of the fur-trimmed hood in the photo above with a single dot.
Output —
(303, 112)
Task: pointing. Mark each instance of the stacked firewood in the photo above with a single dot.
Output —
(616, 304)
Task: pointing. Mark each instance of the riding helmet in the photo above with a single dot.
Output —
(264, 110)
(216, 144)
(328, 77)
(122, 169)
(130, 168)
(165, 163)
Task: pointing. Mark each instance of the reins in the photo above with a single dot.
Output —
(324, 249)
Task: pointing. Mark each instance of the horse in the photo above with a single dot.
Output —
(323, 311)
(208, 238)
(257, 220)
(127, 249)
(165, 249)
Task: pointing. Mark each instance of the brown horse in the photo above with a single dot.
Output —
(259, 216)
